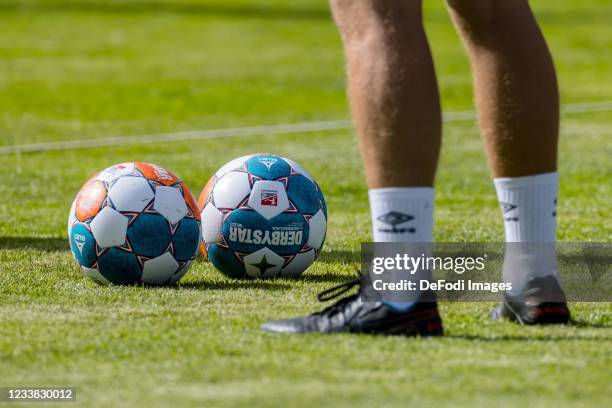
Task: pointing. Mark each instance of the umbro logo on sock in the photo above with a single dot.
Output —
(506, 208)
(394, 218)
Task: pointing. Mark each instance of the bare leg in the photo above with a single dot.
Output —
(396, 110)
(515, 85)
(392, 89)
(518, 103)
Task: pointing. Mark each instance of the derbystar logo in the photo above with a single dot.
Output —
(79, 241)
(267, 161)
(269, 198)
(114, 172)
(162, 173)
(243, 235)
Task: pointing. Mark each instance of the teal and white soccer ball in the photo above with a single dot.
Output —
(262, 216)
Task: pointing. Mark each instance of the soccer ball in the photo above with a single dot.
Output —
(133, 223)
(262, 216)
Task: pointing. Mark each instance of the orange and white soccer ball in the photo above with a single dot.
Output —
(134, 223)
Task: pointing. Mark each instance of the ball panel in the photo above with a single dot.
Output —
(204, 250)
(109, 228)
(130, 193)
(94, 274)
(322, 200)
(298, 169)
(186, 239)
(157, 173)
(170, 203)
(180, 273)
(71, 216)
(158, 271)
(191, 202)
(268, 198)
(83, 245)
(90, 200)
(112, 173)
(263, 263)
(232, 165)
(268, 166)
(303, 193)
(246, 231)
(231, 190)
(119, 267)
(204, 195)
(318, 228)
(149, 235)
(211, 224)
(224, 260)
(298, 264)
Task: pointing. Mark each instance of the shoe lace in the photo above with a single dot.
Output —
(336, 291)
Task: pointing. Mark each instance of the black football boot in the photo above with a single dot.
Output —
(541, 302)
(351, 314)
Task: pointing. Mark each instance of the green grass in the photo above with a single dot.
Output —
(87, 69)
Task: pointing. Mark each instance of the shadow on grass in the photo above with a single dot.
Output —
(325, 277)
(475, 337)
(234, 285)
(340, 256)
(332, 259)
(583, 324)
(49, 244)
(199, 8)
(270, 284)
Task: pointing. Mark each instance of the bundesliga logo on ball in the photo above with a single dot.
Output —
(269, 198)
(134, 223)
(262, 216)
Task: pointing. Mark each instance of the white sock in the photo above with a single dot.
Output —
(403, 214)
(529, 206)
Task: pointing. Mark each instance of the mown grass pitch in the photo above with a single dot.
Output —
(94, 68)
